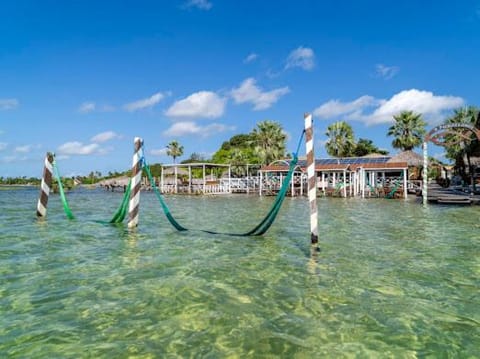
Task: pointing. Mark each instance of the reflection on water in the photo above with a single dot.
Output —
(393, 279)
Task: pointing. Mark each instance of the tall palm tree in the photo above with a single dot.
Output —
(269, 141)
(341, 141)
(460, 150)
(408, 130)
(174, 150)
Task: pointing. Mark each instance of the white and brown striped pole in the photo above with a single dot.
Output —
(135, 184)
(46, 185)
(311, 179)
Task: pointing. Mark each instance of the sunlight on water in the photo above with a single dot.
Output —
(393, 279)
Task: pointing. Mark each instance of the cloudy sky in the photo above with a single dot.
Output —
(83, 78)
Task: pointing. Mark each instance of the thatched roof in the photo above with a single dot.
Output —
(117, 181)
(374, 155)
(413, 159)
(170, 171)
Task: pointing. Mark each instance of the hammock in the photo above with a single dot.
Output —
(395, 188)
(259, 229)
(118, 217)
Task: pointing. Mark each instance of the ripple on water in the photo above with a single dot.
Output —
(393, 279)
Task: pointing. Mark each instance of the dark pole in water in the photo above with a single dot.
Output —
(46, 185)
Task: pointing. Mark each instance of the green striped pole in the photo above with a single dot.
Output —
(46, 185)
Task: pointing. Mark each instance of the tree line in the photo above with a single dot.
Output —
(267, 143)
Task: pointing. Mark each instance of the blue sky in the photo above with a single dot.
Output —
(83, 78)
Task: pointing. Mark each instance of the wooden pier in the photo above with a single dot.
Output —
(440, 195)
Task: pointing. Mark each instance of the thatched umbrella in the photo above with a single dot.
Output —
(413, 159)
(117, 181)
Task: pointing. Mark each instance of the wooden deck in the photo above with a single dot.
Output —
(440, 195)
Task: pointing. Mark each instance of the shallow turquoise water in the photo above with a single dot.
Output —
(393, 279)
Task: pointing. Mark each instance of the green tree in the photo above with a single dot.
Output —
(341, 141)
(408, 130)
(228, 152)
(269, 141)
(365, 147)
(460, 149)
(195, 158)
(174, 150)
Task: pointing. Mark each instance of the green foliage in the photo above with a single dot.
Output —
(33, 181)
(462, 149)
(269, 141)
(174, 150)
(195, 158)
(266, 143)
(408, 130)
(341, 142)
(365, 147)
(155, 170)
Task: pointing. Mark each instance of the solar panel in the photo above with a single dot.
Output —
(346, 161)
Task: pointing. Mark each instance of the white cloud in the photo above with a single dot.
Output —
(302, 57)
(374, 111)
(423, 102)
(11, 159)
(78, 148)
(105, 136)
(158, 151)
(250, 92)
(386, 72)
(3, 145)
(87, 107)
(203, 104)
(199, 4)
(144, 103)
(90, 106)
(334, 108)
(250, 58)
(8, 103)
(191, 128)
(23, 149)
(107, 108)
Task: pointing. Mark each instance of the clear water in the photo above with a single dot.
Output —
(393, 279)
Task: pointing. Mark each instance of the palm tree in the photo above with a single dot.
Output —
(408, 130)
(174, 150)
(365, 147)
(269, 141)
(460, 150)
(341, 141)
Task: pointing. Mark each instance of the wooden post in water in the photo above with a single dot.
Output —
(425, 173)
(134, 204)
(311, 179)
(45, 185)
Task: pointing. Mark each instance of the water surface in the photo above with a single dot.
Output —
(393, 279)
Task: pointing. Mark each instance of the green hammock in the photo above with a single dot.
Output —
(259, 229)
(395, 188)
(118, 217)
(66, 208)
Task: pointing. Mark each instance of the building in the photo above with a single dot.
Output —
(368, 176)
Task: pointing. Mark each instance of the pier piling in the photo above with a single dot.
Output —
(311, 179)
(134, 204)
(46, 185)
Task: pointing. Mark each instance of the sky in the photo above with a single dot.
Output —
(83, 78)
